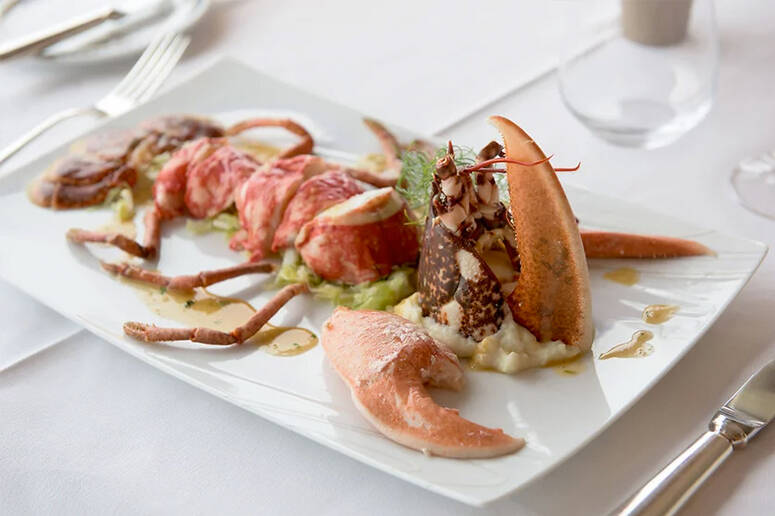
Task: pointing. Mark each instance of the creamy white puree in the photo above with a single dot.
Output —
(512, 348)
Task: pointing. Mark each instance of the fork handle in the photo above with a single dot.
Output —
(49, 36)
(42, 127)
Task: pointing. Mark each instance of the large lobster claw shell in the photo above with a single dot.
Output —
(552, 296)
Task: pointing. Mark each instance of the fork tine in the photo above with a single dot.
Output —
(164, 66)
(150, 70)
(145, 73)
(135, 73)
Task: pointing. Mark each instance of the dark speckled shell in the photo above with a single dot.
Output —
(439, 280)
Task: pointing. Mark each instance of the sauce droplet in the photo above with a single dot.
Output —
(200, 307)
(285, 342)
(571, 367)
(625, 275)
(657, 314)
(636, 347)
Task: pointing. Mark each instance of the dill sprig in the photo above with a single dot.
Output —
(503, 188)
(417, 169)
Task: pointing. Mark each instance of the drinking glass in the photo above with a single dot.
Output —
(754, 182)
(640, 73)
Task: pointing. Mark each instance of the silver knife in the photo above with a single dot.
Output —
(43, 38)
(741, 418)
(137, 14)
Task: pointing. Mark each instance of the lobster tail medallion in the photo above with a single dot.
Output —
(508, 288)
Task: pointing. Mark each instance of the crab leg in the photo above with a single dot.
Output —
(371, 178)
(604, 244)
(303, 147)
(390, 146)
(151, 333)
(148, 249)
(201, 279)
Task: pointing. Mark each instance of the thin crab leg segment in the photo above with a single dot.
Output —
(148, 249)
(604, 244)
(552, 296)
(151, 333)
(202, 279)
(305, 146)
(82, 236)
(390, 146)
(370, 177)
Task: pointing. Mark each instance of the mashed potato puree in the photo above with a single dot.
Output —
(510, 349)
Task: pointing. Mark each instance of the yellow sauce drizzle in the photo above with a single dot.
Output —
(261, 151)
(126, 228)
(636, 347)
(626, 276)
(142, 193)
(375, 163)
(657, 314)
(571, 367)
(201, 308)
(285, 342)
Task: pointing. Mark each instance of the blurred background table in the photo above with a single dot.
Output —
(85, 428)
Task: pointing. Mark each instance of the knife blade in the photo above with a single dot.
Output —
(103, 23)
(135, 15)
(42, 38)
(749, 410)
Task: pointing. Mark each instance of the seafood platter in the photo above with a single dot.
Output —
(424, 306)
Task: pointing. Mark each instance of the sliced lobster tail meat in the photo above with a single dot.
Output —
(387, 361)
(211, 182)
(262, 199)
(169, 189)
(360, 239)
(552, 296)
(604, 244)
(313, 196)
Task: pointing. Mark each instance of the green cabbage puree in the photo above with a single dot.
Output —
(224, 222)
(376, 295)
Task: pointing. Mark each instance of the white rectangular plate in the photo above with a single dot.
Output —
(557, 414)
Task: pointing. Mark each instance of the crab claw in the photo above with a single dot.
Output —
(552, 296)
(387, 361)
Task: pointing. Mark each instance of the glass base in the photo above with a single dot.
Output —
(754, 183)
(657, 124)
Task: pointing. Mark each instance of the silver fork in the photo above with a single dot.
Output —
(138, 86)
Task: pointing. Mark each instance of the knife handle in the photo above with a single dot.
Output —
(672, 487)
(46, 37)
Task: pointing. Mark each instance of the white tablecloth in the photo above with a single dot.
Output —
(85, 428)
